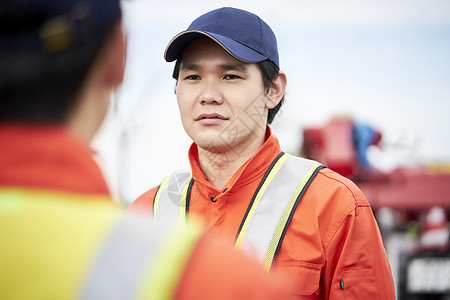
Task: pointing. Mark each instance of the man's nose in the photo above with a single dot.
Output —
(210, 93)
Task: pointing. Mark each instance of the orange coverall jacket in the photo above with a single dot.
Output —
(49, 159)
(332, 248)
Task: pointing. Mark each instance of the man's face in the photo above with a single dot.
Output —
(222, 101)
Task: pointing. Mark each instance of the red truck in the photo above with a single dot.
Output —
(411, 204)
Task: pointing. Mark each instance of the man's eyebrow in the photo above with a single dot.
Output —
(234, 67)
(226, 67)
(190, 67)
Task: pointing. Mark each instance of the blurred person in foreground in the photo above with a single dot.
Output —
(62, 237)
(292, 214)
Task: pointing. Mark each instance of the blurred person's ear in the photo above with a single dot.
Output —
(113, 57)
(105, 76)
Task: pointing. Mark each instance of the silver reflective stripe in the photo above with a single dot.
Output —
(275, 205)
(117, 271)
(172, 198)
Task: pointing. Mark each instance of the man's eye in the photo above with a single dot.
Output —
(192, 77)
(231, 76)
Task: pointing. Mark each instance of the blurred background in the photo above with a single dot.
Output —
(382, 63)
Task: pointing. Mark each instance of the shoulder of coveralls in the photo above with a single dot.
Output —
(332, 198)
(144, 203)
(220, 272)
(343, 185)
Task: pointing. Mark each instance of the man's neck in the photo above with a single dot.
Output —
(219, 167)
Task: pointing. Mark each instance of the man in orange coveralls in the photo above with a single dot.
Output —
(293, 215)
(62, 237)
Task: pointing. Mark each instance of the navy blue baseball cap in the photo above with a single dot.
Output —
(241, 33)
(56, 25)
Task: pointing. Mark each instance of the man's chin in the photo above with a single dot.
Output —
(214, 145)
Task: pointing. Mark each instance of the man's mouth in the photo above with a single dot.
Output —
(210, 116)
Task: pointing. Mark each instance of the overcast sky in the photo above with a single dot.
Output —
(381, 62)
(300, 12)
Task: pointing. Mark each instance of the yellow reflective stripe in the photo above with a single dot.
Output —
(158, 194)
(269, 178)
(43, 194)
(164, 274)
(284, 218)
(183, 202)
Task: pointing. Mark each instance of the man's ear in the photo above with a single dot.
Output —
(276, 91)
(114, 57)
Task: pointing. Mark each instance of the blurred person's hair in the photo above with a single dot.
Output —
(37, 86)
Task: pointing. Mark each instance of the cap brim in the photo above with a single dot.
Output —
(235, 49)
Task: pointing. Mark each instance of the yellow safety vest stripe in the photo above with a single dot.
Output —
(274, 243)
(273, 172)
(158, 194)
(184, 202)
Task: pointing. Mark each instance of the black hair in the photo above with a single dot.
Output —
(39, 87)
(269, 71)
